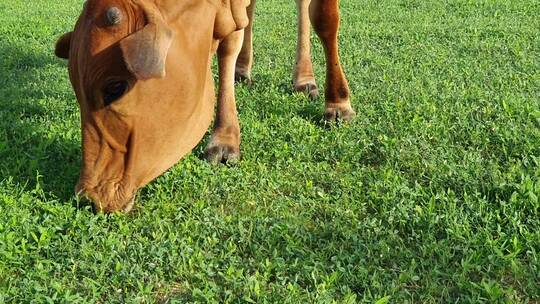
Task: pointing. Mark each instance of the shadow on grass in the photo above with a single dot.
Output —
(32, 148)
(312, 110)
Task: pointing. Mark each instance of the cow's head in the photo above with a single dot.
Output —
(141, 73)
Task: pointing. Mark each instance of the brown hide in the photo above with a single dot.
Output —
(144, 86)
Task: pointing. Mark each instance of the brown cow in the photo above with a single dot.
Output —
(141, 71)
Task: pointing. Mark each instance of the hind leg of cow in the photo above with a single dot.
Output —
(303, 77)
(324, 15)
(224, 144)
(244, 63)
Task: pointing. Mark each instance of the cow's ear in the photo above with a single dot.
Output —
(63, 43)
(231, 16)
(145, 51)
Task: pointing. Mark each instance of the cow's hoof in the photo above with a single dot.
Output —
(339, 111)
(222, 153)
(242, 77)
(310, 89)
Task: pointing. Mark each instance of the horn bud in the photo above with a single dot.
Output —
(114, 16)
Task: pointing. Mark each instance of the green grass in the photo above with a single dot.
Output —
(430, 196)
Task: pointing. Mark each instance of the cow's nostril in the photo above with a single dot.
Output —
(84, 202)
(113, 91)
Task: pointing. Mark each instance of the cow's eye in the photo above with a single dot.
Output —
(113, 91)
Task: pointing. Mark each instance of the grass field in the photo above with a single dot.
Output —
(430, 196)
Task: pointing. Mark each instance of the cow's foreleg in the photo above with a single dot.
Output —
(303, 77)
(244, 64)
(324, 15)
(224, 145)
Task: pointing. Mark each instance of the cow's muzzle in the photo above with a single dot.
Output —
(106, 199)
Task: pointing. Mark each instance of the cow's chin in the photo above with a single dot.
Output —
(109, 196)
